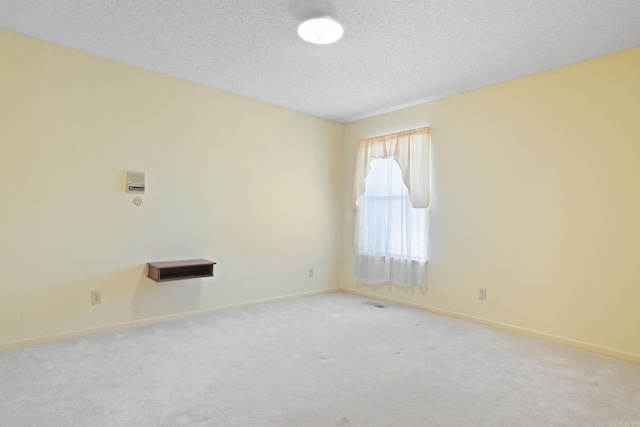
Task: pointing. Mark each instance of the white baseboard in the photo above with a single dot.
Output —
(146, 322)
(545, 336)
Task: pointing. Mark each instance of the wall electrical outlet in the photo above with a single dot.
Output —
(311, 272)
(482, 293)
(96, 297)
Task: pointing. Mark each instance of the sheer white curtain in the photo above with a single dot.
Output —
(391, 194)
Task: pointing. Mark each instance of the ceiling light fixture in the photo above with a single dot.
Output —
(320, 30)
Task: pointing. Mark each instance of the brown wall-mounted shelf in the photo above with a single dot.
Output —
(179, 270)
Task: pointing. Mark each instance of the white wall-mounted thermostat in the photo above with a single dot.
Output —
(135, 182)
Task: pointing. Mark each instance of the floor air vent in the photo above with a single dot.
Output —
(375, 304)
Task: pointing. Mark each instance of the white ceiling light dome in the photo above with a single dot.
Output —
(322, 30)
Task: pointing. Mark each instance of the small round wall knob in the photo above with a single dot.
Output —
(137, 201)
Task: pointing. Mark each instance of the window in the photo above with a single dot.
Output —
(387, 217)
(391, 220)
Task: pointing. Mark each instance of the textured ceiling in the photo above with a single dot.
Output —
(393, 53)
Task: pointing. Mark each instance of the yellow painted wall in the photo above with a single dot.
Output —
(254, 187)
(536, 197)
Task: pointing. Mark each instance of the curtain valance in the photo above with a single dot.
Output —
(410, 149)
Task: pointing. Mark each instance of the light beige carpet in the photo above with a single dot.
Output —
(325, 360)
